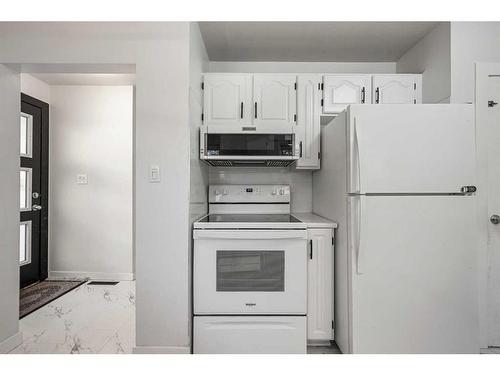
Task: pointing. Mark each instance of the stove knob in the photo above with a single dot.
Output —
(282, 191)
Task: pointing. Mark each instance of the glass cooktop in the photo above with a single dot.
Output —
(249, 218)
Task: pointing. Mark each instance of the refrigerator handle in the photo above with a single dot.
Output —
(355, 162)
(358, 223)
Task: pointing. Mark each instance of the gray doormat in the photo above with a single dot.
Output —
(35, 296)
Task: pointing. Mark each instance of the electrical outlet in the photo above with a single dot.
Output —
(82, 179)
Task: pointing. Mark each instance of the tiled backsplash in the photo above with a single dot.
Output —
(300, 181)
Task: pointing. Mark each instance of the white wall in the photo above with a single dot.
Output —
(10, 107)
(471, 42)
(198, 63)
(90, 225)
(36, 88)
(160, 54)
(301, 67)
(431, 57)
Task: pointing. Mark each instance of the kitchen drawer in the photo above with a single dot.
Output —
(250, 335)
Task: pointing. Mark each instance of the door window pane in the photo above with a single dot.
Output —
(25, 189)
(250, 271)
(26, 134)
(25, 243)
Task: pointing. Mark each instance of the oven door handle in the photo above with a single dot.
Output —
(211, 234)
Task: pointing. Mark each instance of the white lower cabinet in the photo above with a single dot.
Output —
(249, 335)
(320, 286)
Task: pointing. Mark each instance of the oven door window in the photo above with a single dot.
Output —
(250, 271)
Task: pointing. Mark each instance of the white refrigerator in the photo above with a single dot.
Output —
(400, 181)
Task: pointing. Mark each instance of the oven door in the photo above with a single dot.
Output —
(250, 272)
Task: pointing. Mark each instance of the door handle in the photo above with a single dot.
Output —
(255, 110)
(363, 95)
(311, 253)
(300, 148)
(495, 219)
(36, 207)
(377, 95)
(241, 110)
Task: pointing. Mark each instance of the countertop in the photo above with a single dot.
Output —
(314, 221)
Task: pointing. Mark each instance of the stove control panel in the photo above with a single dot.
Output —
(249, 194)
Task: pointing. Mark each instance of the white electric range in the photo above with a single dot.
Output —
(249, 273)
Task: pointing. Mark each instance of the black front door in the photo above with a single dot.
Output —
(33, 174)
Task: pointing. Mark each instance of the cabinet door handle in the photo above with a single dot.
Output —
(311, 253)
(255, 109)
(377, 95)
(300, 148)
(363, 95)
(241, 110)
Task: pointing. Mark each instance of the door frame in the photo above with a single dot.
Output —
(44, 189)
(483, 71)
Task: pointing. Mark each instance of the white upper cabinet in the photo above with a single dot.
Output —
(275, 100)
(227, 99)
(397, 89)
(341, 90)
(308, 120)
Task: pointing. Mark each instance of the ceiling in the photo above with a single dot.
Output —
(311, 41)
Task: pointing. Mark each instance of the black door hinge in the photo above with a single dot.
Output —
(295, 85)
(319, 155)
(319, 86)
(203, 85)
(492, 103)
(295, 118)
(414, 101)
(333, 241)
(414, 86)
(322, 86)
(202, 117)
(322, 102)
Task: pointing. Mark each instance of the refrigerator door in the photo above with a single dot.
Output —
(412, 263)
(426, 148)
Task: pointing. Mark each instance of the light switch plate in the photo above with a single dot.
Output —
(82, 179)
(154, 173)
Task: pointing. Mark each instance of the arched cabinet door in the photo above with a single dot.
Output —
(227, 99)
(341, 90)
(275, 101)
(397, 89)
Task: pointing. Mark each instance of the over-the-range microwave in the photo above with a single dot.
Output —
(223, 149)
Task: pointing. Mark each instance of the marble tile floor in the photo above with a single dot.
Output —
(92, 319)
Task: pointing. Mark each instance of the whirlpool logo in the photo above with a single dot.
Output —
(250, 304)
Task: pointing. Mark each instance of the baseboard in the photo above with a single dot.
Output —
(161, 350)
(101, 276)
(11, 343)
